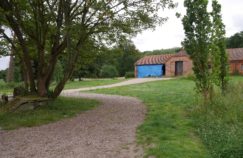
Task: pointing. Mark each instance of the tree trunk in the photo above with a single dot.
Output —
(59, 88)
(10, 73)
(42, 90)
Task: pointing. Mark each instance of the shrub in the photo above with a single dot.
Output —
(20, 91)
(220, 124)
(109, 71)
(190, 77)
(129, 74)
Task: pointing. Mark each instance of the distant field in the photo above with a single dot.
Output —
(8, 88)
(91, 83)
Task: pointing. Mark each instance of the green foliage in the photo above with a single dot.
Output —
(205, 43)
(220, 126)
(3, 74)
(197, 26)
(58, 72)
(109, 71)
(45, 32)
(7, 88)
(219, 55)
(128, 56)
(17, 74)
(55, 110)
(162, 51)
(129, 74)
(122, 56)
(235, 41)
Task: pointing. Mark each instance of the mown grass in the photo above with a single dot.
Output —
(7, 88)
(175, 128)
(167, 131)
(58, 109)
(91, 83)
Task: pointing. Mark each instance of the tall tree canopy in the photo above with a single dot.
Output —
(46, 30)
(218, 48)
(197, 42)
(205, 42)
(122, 56)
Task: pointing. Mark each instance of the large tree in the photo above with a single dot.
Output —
(47, 30)
(197, 28)
(205, 42)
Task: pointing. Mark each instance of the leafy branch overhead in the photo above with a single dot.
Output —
(47, 30)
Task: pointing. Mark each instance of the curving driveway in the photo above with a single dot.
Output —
(105, 132)
(108, 131)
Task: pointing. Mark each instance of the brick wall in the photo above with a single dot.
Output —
(135, 71)
(236, 67)
(170, 66)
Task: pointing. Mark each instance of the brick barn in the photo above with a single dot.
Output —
(236, 60)
(168, 65)
(164, 65)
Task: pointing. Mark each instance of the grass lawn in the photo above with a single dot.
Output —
(91, 83)
(8, 88)
(61, 108)
(168, 130)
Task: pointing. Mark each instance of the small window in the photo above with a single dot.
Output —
(241, 67)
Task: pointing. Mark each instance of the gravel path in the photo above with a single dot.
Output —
(108, 131)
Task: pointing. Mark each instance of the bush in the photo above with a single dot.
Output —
(20, 91)
(220, 124)
(129, 74)
(190, 77)
(109, 71)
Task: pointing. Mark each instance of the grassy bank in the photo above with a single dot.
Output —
(174, 127)
(59, 109)
(220, 123)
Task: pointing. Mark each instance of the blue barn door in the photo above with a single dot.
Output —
(149, 71)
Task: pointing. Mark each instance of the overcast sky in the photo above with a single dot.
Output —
(171, 34)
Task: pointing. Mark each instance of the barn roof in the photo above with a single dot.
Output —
(234, 54)
(159, 59)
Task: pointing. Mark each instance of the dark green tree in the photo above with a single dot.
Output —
(3, 74)
(47, 30)
(109, 71)
(162, 51)
(128, 56)
(235, 41)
